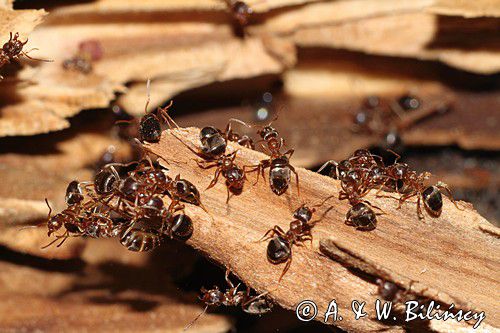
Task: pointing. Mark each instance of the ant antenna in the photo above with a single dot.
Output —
(148, 95)
(195, 319)
(50, 208)
(323, 201)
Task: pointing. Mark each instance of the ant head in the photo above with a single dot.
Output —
(14, 46)
(55, 222)
(212, 296)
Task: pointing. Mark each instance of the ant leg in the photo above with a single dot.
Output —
(215, 180)
(371, 205)
(228, 281)
(228, 194)
(271, 232)
(419, 209)
(330, 162)
(405, 197)
(296, 178)
(289, 152)
(447, 189)
(288, 263)
(398, 157)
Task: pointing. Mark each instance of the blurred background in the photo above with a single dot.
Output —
(419, 77)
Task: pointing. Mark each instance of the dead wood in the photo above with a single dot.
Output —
(466, 8)
(34, 172)
(230, 239)
(406, 35)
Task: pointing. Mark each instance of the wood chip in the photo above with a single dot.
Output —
(328, 13)
(477, 8)
(33, 173)
(116, 6)
(29, 118)
(21, 21)
(404, 35)
(235, 228)
(212, 63)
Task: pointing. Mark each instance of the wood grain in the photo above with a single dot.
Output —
(452, 247)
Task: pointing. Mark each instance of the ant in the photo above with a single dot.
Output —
(235, 176)
(279, 248)
(150, 128)
(362, 217)
(150, 124)
(13, 49)
(88, 51)
(280, 169)
(240, 11)
(214, 141)
(430, 196)
(256, 305)
(79, 219)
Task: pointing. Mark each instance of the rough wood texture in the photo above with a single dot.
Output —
(326, 13)
(22, 21)
(456, 241)
(407, 35)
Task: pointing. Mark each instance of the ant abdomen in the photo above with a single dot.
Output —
(150, 128)
(278, 250)
(362, 217)
(74, 193)
(143, 235)
(258, 307)
(105, 182)
(433, 200)
(279, 175)
(181, 227)
(387, 290)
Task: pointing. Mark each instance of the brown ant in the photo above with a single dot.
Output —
(88, 52)
(79, 219)
(278, 163)
(240, 11)
(256, 305)
(214, 141)
(430, 196)
(279, 248)
(150, 128)
(235, 176)
(13, 49)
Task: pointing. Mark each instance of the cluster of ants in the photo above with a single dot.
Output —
(364, 171)
(128, 200)
(387, 118)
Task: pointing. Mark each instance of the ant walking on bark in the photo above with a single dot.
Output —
(280, 169)
(279, 248)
